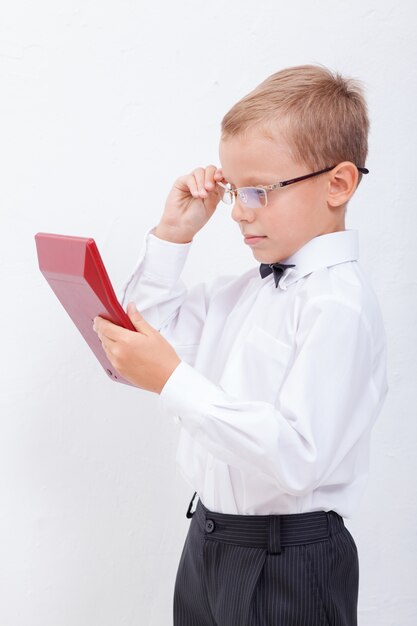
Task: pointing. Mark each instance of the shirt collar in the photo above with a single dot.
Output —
(321, 251)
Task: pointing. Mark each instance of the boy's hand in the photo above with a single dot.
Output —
(191, 203)
(144, 358)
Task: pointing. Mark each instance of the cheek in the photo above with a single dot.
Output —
(288, 210)
(291, 219)
(304, 205)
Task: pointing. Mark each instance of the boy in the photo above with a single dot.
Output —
(276, 376)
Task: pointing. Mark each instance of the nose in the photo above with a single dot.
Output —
(241, 213)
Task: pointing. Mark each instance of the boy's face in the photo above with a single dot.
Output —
(294, 214)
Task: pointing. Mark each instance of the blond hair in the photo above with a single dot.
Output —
(322, 115)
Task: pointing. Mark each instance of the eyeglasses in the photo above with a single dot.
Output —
(255, 197)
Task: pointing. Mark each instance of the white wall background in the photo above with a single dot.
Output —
(104, 104)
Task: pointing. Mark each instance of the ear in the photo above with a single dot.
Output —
(342, 183)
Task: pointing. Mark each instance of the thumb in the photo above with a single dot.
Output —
(136, 318)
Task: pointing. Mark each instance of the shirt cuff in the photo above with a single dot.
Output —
(187, 394)
(164, 260)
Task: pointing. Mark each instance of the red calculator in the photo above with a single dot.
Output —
(76, 274)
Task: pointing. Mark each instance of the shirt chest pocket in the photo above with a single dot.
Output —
(257, 367)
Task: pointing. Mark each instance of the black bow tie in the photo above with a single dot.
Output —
(278, 269)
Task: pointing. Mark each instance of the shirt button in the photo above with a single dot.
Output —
(209, 525)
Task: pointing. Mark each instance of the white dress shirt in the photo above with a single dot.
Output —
(279, 387)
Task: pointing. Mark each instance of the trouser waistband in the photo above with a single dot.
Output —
(266, 531)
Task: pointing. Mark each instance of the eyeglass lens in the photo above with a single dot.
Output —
(250, 197)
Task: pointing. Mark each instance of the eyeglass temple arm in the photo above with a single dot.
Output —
(364, 170)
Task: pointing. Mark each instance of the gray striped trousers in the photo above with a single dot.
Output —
(266, 570)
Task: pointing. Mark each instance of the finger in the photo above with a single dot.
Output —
(218, 174)
(209, 176)
(199, 175)
(187, 184)
(139, 322)
(105, 341)
(105, 328)
(193, 185)
(107, 347)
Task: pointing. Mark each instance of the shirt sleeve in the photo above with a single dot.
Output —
(161, 296)
(331, 395)
(155, 284)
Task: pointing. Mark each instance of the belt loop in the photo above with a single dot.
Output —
(331, 517)
(188, 513)
(274, 539)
